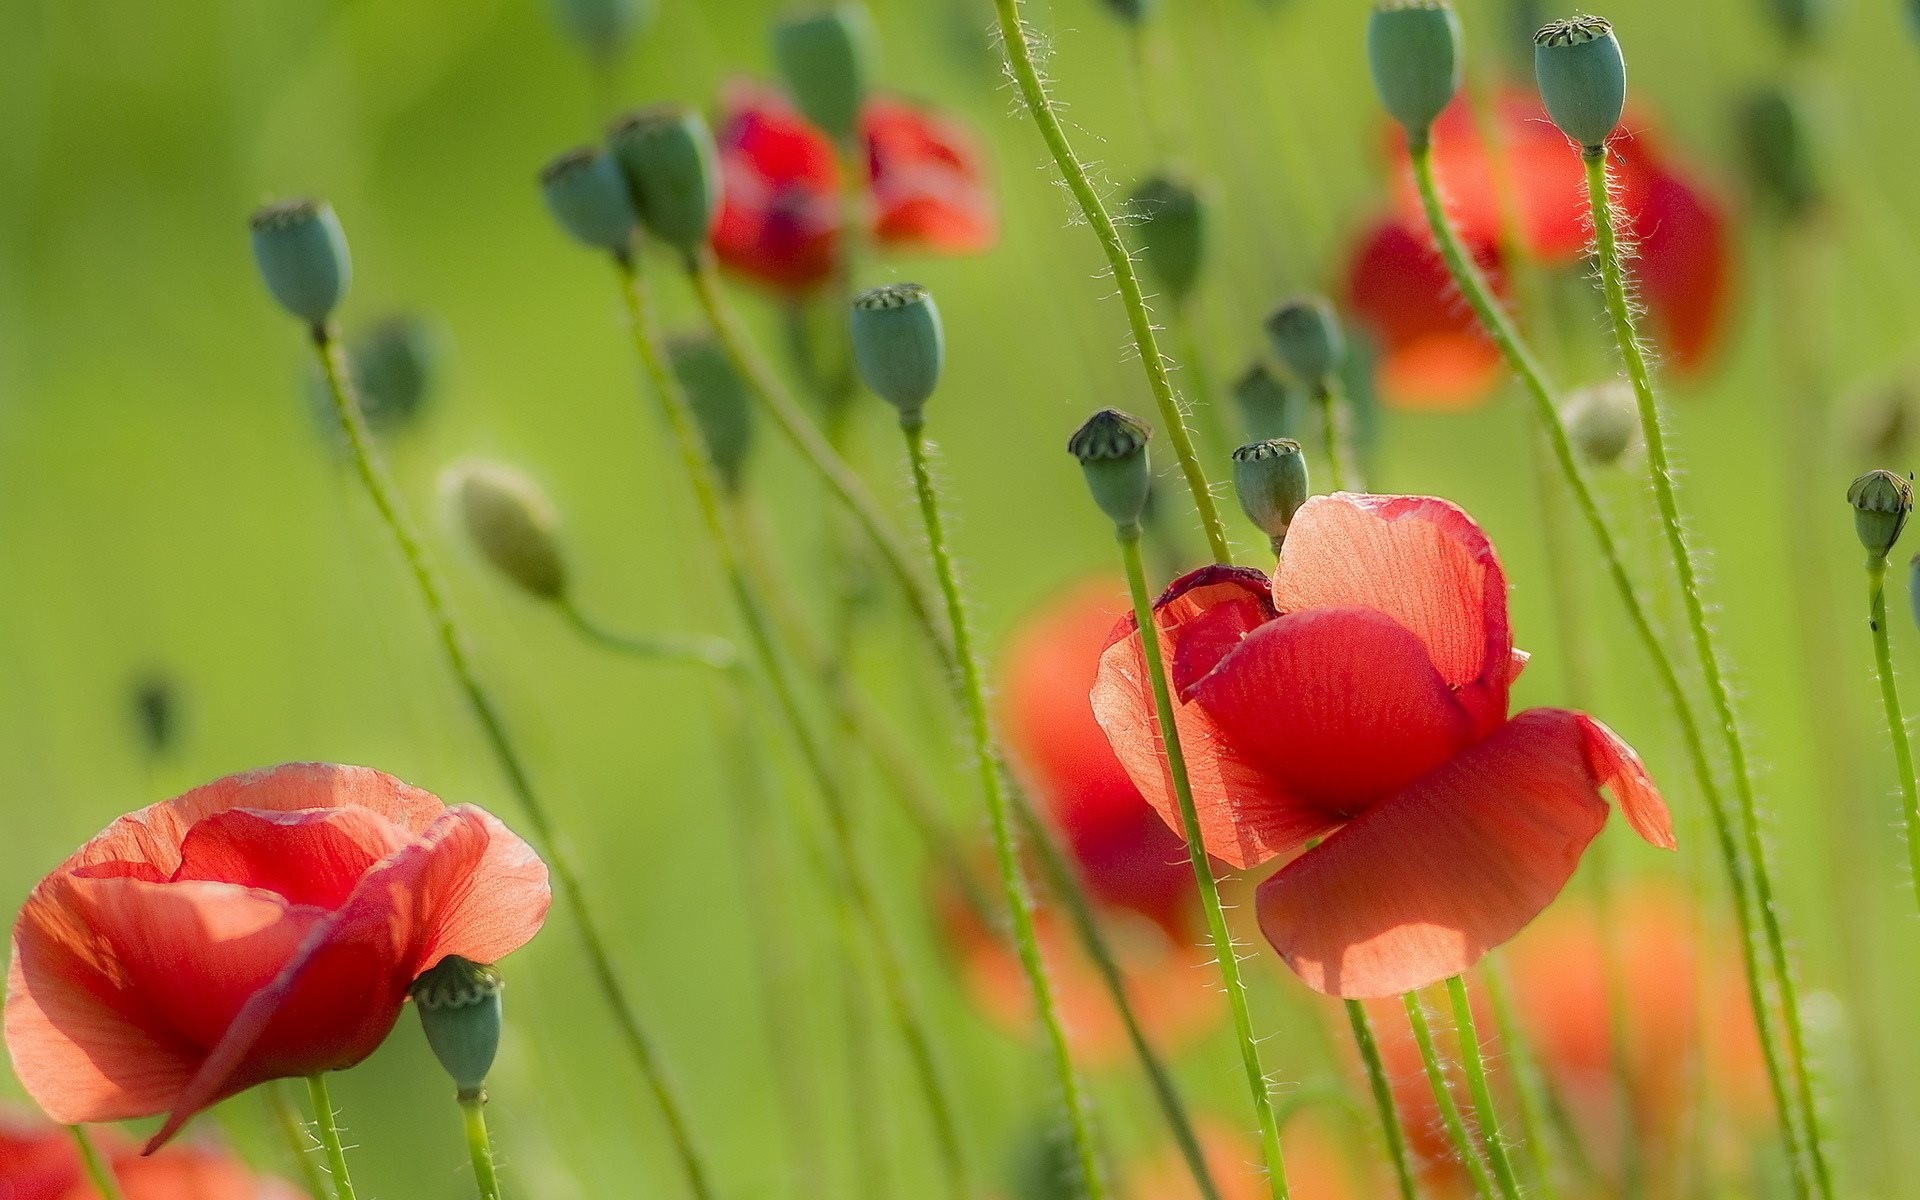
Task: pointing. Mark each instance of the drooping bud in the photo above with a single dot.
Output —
(1582, 77)
(898, 345)
(669, 160)
(512, 524)
(1112, 449)
(824, 58)
(721, 403)
(459, 1003)
(1779, 152)
(1170, 227)
(587, 196)
(1271, 478)
(1413, 47)
(603, 28)
(1882, 502)
(1603, 421)
(1306, 338)
(1268, 408)
(301, 252)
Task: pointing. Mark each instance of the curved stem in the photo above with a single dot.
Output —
(1224, 949)
(1613, 285)
(286, 1115)
(386, 498)
(690, 649)
(1450, 1118)
(855, 879)
(1369, 1048)
(1482, 1094)
(480, 1146)
(98, 1172)
(1033, 95)
(1896, 720)
(328, 1131)
(1499, 327)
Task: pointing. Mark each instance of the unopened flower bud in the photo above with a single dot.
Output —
(670, 163)
(1413, 47)
(1271, 478)
(459, 1003)
(301, 252)
(512, 524)
(1306, 338)
(1268, 408)
(1112, 449)
(1170, 227)
(1882, 502)
(1779, 152)
(603, 28)
(1603, 421)
(587, 196)
(1582, 77)
(898, 345)
(721, 403)
(824, 58)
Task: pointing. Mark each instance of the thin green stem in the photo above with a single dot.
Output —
(1520, 360)
(855, 879)
(386, 498)
(1334, 441)
(689, 649)
(1614, 287)
(1535, 1094)
(1476, 1066)
(480, 1146)
(286, 1115)
(1224, 949)
(98, 1171)
(1382, 1089)
(1203, 397)
(1896, 720)
(1033, 94)
(1450, 1118)
(328, 1131)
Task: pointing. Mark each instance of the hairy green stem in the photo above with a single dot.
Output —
(1450, 1118)
(1382, 1089)
(328, 1132)
(97, 1168)
(690, 649)
(286, 1116)
(1335, 443)
(1896, 720)
(1535, 1093)
(480, 1145)
(1484, 1108)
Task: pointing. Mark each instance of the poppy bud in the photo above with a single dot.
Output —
(459, 1002)
(668, 157)
(603, 28)
(1882, 502)
(1305, 335)
(511, 523)
(898, 345)
(1582, 77)
(1267, 407)
(1603, 421)
(1170, 223)
(720, 400)
(823, 57)
(587, 196)
(1779, 152)
(1112, 449)
(1413, 47)
(1271, 478)
(301, 252)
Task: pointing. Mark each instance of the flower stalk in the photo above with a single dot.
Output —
(473, 1119)
(98, 1171)
(1382, 1090)
(1450, 1118)
(1484, 1109)
(328, 1131)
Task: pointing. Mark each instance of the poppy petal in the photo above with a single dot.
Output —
(308, 856)
(1616, 767)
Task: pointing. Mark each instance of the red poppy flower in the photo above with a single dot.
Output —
(262, 926)
(1352, 711)
(38, 1161)
(781, 209)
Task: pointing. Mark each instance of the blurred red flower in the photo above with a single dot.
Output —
(782, 213)
(1318, 1166)
(38, 1161)
(261, 926)
(1433, 354)
(1352, 711)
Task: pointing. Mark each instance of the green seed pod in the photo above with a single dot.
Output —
(1170, 228)
(459, 1003)
(1882, 502)
(1268, 408)
(512, 524)
(1112, 449)
(302, 255)
(1582, 77)
(668, 157)
(721, 403)
(1779, 152)
(1603, 421)
(603, 28)
(1271, 479)
(1413, 47)
(898, 345)
(825, 58)
(587, 196)
(1306, 338)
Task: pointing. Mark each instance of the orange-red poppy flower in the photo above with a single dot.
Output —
(1352, 711)
(264, 925)
(1318, 1167)
(781, 211)
(1526, 176)
(38, 1161)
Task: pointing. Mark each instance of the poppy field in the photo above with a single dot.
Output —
(981, 599)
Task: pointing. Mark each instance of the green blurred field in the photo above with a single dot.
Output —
(165, 502)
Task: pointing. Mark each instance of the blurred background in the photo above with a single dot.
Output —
(178, 534)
